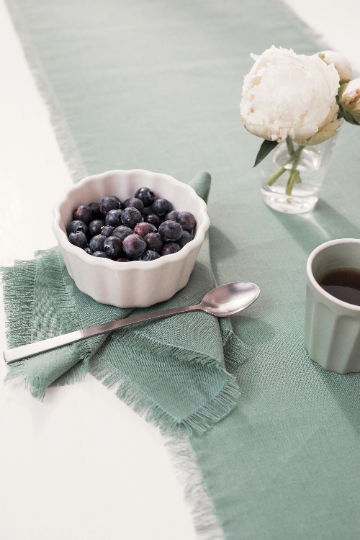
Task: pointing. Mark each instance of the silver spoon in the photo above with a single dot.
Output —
(221, 302)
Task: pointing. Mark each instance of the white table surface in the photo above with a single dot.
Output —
(81, 464)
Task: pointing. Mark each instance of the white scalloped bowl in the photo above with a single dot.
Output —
(135, 283)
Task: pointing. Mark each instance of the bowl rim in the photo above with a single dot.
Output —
(63, 241)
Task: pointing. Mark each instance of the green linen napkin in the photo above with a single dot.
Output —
(172, 370)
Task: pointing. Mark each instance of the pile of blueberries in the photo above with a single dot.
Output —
(138, 229)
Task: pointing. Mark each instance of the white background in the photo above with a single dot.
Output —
(81, 464)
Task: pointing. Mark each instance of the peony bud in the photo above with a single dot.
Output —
(341, 63)
(349, 101)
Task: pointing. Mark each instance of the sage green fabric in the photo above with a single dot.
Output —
(157, 84)
(172, 370)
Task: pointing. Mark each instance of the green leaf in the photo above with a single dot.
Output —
(265, 149)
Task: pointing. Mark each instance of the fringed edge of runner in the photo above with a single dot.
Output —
(206, 521)
(63, 136)
(18, 285)
(199, 421)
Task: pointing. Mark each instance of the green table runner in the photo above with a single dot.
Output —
(157, 85)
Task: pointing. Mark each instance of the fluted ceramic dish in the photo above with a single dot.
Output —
(135, 283)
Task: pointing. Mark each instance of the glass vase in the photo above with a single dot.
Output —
(292, 175)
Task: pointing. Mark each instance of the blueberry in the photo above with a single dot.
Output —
(113, 247)
(150, 255)
(145, 195)
(95, 227)
(77, 226)
(88, 250)
(113, 218)
(170, 231)
(78, 239)
(172, 216)
(109, 203)
(161, 207)
(107, 231)
(187, 221)
(84, 213)
(134, 203)
(154, 241)
(125, 204)
(122, 259)
(153, 219)
(185, 238)
(169, 248)
(100, 254)
(130, 217)
(122, 232)
(97, 242)
(95, 207)
(134, 246)
(143, 228)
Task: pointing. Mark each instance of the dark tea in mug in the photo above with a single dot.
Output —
(342, 283)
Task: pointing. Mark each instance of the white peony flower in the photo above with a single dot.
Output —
(341, 63)
(290, 95)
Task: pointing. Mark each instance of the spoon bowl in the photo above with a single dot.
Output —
(230, 298)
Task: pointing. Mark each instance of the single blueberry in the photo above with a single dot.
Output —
(84, 213)
(88, 250)
(97, 242)
(134, 246)
(100, 254)
(130, 217)
(77, 226)
(153, 219)
(154, 241)
(135, 203)
(113, 218)
(187, 221)
(125, 204)
(95, 227)
(116, 199)
(172, 216)
(143, 228)
(170, 231)
(78, 239)
(113, 247)
(161, 207)
(145, 195)
(107, 231)
(169, 248)
(109, 203)
(95, 207)
(122, 232)
(150, 255)
(185, 238)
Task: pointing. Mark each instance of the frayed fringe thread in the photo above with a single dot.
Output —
(65, 140)
(199, 421)
(18, 284)
(206, 522)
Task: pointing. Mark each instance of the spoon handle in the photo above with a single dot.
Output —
(18, 353)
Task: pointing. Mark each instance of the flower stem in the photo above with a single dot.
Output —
(294, 176)
(296, 154)
(290, 146)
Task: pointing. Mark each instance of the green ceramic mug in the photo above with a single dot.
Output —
(332, 326)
